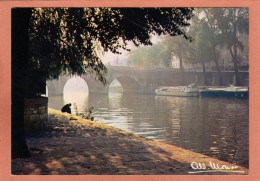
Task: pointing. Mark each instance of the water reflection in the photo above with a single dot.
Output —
(79, 102)
(114, 100)
(76, 92)
(215, 127)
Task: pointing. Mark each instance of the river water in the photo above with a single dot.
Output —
(211, 126)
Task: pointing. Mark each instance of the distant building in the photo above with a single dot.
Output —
(175, 62)
(117, 62)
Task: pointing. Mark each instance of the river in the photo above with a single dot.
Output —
(211, 126)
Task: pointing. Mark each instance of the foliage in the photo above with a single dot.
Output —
(213, 30)
(234, 22)
(88, 112)
(150, 56)
(161, 53)
(201, 48)
(178, 46)
(51, 41)
(229, 23)
(70, 40)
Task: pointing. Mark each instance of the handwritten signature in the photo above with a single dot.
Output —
(213, 167)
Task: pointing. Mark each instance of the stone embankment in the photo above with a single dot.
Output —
(71, 145)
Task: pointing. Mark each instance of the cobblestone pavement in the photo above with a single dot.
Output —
(74, 146)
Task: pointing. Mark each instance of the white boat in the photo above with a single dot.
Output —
(180, 91)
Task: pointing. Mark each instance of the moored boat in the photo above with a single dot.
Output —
(230, 92)
(180, 91)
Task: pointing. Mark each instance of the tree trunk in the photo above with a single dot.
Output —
(237, 81)
(234, 55)
(20, 25)
(234, 60)
(181, 66)
(220, 82)
(182, 80)
(204, 73)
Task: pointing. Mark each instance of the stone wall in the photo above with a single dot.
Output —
(35, 114)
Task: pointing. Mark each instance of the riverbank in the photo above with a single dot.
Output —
(71, 145)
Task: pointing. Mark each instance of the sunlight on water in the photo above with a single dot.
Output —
(79, 101)
(114, 100)
(76, 92)
(214, 127)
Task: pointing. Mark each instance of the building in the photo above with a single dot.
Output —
(117, 62)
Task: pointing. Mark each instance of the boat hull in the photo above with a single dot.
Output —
(226, 94)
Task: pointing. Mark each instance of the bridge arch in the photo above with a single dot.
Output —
(143, 80)
(76, 92)
(56, 86)
(115, 87)
(129, 84)
(76, 84)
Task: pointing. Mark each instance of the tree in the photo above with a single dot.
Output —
(150, 56)
(51, 41)
(209, 17)
(200, 49)
(177, 46)
(225, 25)
(233, 22)
(20, 23)
(86, 32)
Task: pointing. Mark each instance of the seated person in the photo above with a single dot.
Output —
(66, 108)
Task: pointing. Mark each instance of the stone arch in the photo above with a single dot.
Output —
(129, 84)
(78, 83)
(76, 92)
(115, 86)
(94, 86)
(56, 86)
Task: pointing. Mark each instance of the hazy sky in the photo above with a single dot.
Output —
(109, 56)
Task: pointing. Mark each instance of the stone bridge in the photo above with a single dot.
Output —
(144, 80)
